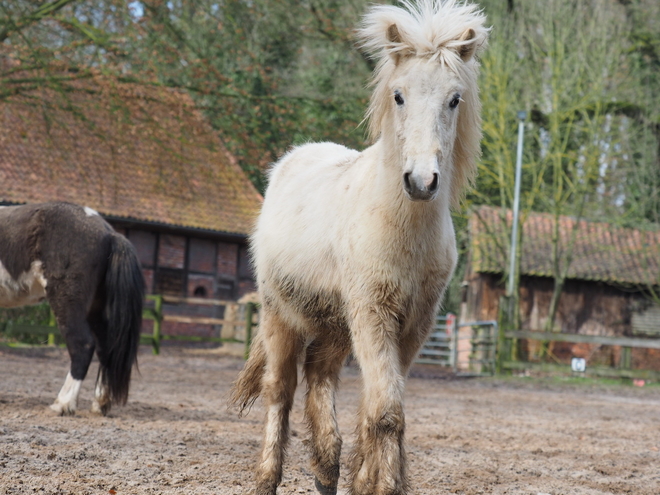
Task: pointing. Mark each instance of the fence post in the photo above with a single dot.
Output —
(452, 329)
(249, 311)
(158, 313)
(625, 361)
(52, 323)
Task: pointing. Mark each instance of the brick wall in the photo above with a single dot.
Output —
(171, 251)
(201, 255)
(227, 259)
(213, 269)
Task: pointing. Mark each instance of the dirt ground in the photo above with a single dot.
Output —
(176, 436)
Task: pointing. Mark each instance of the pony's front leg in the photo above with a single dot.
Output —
(282, 346)
(324, 359)
(378, 464)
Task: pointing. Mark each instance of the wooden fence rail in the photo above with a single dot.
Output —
(157, 315)
(506, 360)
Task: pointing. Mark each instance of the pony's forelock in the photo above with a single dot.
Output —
(431, 29)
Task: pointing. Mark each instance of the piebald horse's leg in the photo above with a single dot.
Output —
(378, 463)
(101, 403)
(80, 344)
(323, 363)
(282, 346)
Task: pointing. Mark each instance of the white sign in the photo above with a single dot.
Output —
(578, 364)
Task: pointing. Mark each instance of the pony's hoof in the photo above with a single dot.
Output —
(100, 410)
(324, 490)
(62, 410)
(266, 488)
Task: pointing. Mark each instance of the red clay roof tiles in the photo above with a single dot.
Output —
(601, 252)
(126, 151)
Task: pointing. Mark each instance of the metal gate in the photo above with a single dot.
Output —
(439, 347)
(468, 348)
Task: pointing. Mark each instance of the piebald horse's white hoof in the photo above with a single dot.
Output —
(100, 409)
(63, 409)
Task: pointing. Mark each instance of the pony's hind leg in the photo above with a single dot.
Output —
(102, 400)
(80, 344)
(323, 363)
(282, 346)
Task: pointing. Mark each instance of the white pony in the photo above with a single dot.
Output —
(353, 250)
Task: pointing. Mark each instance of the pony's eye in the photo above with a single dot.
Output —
(398, 98)
(455, 101)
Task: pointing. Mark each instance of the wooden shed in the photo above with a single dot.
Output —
(606, 292)
(150, 164)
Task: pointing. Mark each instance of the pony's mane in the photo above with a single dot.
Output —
(431, 29)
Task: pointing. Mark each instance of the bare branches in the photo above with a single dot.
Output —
(40, 13)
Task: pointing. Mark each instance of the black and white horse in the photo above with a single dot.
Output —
(92, 279)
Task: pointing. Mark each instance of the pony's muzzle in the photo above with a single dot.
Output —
(419, 188)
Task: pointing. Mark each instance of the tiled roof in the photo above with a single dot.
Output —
(602, 252)
(125, 150)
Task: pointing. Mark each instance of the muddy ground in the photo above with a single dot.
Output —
(176, 436)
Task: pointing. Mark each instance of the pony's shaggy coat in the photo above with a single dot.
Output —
(92, 279)
(353, 250)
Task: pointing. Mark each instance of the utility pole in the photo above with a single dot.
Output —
(522, 115)
(508, 314)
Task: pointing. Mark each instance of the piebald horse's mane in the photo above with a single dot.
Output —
(448, 32)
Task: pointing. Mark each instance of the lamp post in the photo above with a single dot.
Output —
(522, 115)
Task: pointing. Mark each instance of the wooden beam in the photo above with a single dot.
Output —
(585, 339)
(195, 300)
(202, 320)
(601, 371)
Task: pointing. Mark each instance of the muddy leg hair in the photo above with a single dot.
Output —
(282, 346)
(322, 366)
(378, 464)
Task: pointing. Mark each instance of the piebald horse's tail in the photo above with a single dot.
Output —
(124, 290)
(248, 385)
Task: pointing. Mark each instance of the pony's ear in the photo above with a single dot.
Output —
(468, 44)
(393, 35)
(396, 46)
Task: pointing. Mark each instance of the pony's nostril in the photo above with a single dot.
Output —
(434, 183)
(406, 182)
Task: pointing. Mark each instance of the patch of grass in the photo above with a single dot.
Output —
(39, 314)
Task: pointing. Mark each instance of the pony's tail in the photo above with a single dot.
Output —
(124, 289)
(248, 385)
